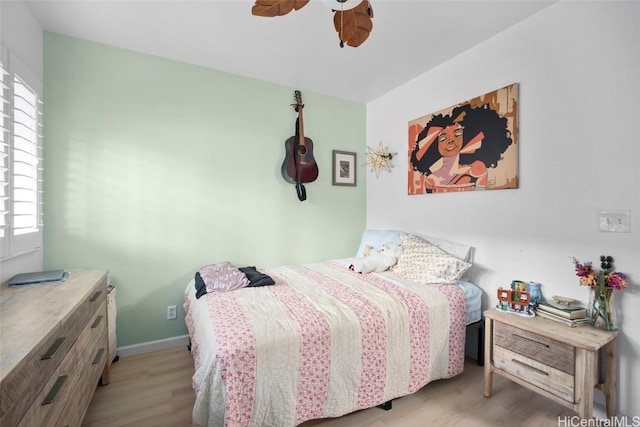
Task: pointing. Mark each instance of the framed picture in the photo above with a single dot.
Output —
(344, 168)
(471, 146)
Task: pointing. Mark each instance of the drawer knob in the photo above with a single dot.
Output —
(53, 393)
(54, 349)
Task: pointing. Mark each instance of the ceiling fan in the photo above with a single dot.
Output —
(352, 18)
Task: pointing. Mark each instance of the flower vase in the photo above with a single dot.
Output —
(601, 309)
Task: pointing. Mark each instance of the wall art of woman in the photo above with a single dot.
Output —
(454, 151)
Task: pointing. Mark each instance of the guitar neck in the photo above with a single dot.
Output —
(300, 126)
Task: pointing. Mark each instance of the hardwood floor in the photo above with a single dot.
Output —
(154, 389)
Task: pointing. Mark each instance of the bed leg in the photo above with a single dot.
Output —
(386, 405)
(189, 346)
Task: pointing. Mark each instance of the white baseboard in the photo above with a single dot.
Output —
(146, 347)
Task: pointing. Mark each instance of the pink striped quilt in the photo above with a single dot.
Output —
(322, 342)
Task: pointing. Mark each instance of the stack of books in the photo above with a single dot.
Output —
(570, 315)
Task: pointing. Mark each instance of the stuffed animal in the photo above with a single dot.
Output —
(377, 261)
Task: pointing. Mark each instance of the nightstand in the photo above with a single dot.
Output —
(554, 360)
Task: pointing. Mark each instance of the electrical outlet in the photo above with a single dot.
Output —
(171, 312)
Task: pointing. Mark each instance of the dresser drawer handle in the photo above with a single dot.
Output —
(95, 296)
(96, 360)
(531, 341)
(96, 322)
(53, 393)
(540, 371)
(50, 354)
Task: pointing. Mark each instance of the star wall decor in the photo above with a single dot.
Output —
(379, 159)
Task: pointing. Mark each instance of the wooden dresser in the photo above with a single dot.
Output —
(554, 360)
(53, 349)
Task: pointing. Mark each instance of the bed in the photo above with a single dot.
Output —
(324, 341)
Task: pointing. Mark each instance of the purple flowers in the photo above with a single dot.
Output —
(607, 278)
(616, 281)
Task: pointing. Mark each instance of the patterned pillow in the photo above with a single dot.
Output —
(425, 263)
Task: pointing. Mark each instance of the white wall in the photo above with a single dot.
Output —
(578, 66)
(21, 33)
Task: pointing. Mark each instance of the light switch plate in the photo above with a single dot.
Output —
(614, 222)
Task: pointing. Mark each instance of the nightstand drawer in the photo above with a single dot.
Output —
(545, 351)
(543, 376)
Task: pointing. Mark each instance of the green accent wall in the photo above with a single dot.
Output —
(155, 167)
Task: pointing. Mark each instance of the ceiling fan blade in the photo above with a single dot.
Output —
(354, 25)
(270, 8)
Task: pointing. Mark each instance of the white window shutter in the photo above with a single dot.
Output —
(5, 105)
(20, 158)
(25, 158)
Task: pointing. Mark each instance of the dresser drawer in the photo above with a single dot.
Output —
(78, 404)
(51, 400)
(93, 332)
(554, 381)
(92, 346)
(546, 351)
(97, 298)
(20, 389)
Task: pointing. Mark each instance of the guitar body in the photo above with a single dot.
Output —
(299, 166)
(307, 166)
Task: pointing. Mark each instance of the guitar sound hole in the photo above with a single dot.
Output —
(302, 150)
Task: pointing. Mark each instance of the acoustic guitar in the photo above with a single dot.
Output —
(299, 165)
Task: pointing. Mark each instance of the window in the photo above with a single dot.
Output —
(20, 158)
(4, 153)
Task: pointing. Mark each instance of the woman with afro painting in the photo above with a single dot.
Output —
(454, 151)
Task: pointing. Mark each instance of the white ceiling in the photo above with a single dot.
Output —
(300, 49)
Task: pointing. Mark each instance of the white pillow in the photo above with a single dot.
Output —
(377, 238)
(458, 250)
(423, 262)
